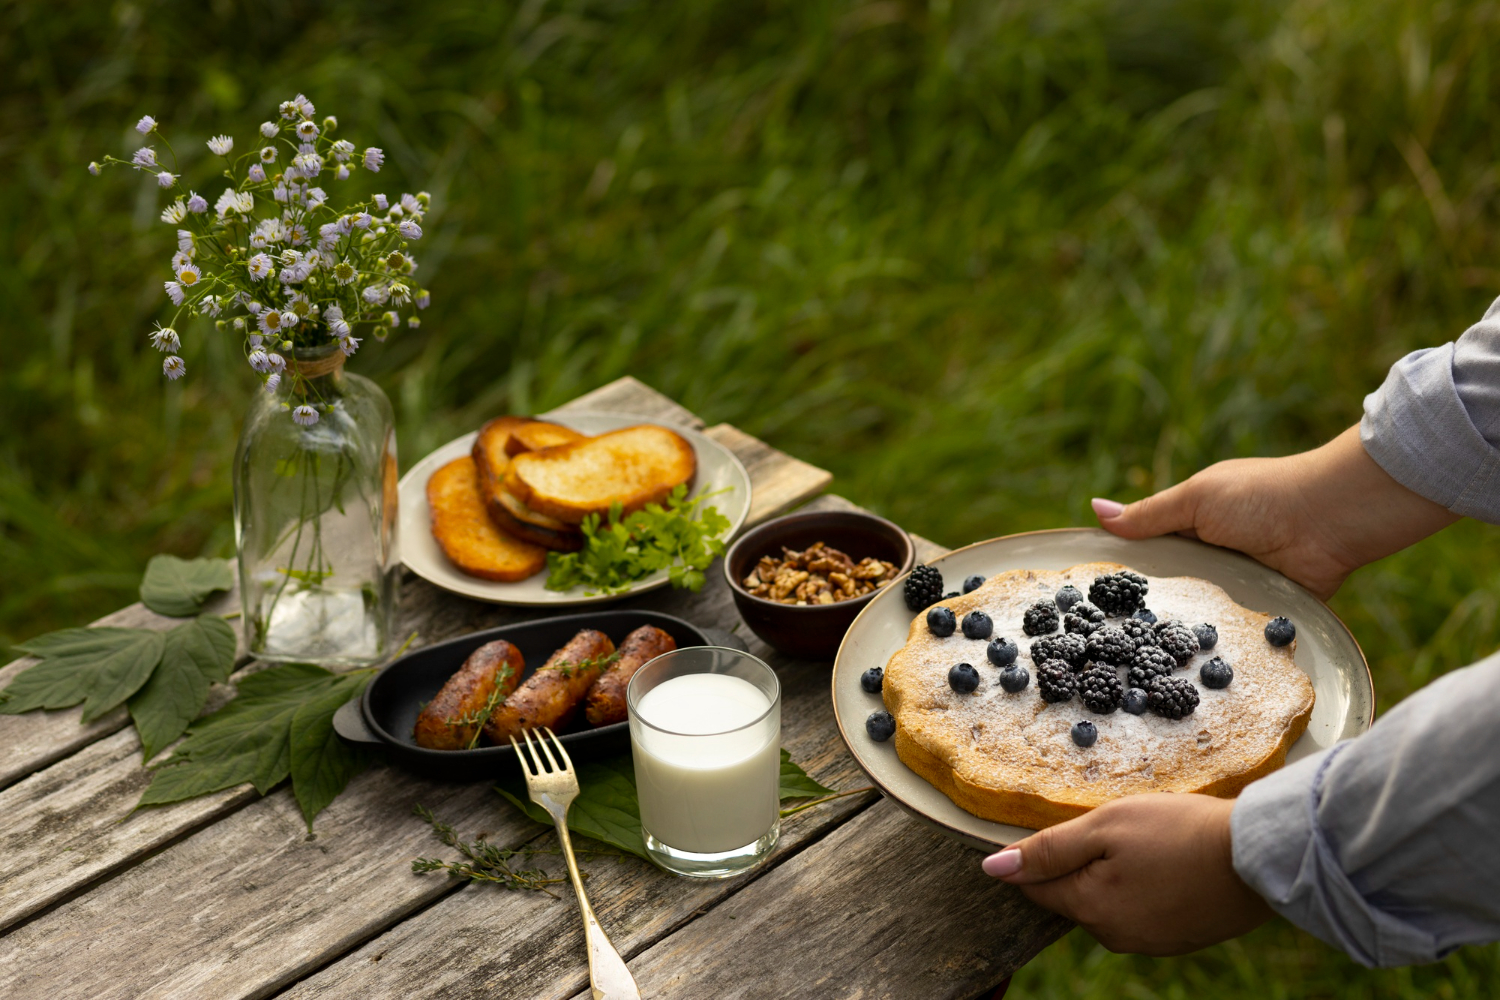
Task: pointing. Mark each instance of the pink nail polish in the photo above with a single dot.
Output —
(1106, 509)
(1007, 862)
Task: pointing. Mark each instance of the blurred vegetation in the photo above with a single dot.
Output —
(982, 260)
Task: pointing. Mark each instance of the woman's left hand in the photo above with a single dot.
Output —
(1152, 874)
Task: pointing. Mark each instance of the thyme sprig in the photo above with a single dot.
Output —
(479, 716)
(484, 862)
(567, 667)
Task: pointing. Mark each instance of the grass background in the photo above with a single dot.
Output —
(982, 260)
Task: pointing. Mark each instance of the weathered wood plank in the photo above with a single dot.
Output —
(36, 740)
(882, 907)
(780, 480)
(630, 395)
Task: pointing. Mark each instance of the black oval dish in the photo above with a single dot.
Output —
(387, 711)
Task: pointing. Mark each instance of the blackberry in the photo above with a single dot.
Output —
(1110, 645)
(1146, 615)
(1071, 649)
(1085, 733)
(923, 588)
(1148, 663)
(1118, 593)
(1134, 701)
(1084, 619)
(1039, 619)
(1055, 681)
(881, 726)
(1280, 631)
(1002, 652)
(1208, 636)
(1177, 639)
(1068, 597)
(973, 583)
(1015, 678)
(977, 625)
(963, 678)
(1139, 631)
(1173, 697)
(941, 621)
(1216, 674)
(1100, 689)
(872, 680)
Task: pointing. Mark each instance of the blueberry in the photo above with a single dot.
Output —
(977, 625)
(1085, 733)
(881, 726)
(973, 583)
(1216, 673)
(1208, 636)
(1067, 597)
(1002, 652)
(941, 622)
(951, 594)
(1135, 702)
(1015, 678)
(872, 680)
(1280, 631)
(1146, 615)
(963, 678)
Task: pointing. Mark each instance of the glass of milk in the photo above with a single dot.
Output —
(705, 732)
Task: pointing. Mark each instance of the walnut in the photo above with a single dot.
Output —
(819, 574)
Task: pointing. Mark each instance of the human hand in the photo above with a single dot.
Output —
(1151, 874)
(1316, 517)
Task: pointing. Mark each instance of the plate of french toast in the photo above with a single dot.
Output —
(488, 514)
(1022, 681)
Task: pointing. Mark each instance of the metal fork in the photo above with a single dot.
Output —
(554, 789)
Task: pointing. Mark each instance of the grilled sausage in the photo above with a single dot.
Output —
(551, 696)
(451, 719)
(606, 699)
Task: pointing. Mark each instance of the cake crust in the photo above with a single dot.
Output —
(1010, 758)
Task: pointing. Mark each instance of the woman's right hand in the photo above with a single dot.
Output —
(1316, 517)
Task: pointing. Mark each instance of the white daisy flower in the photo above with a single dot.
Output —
(305, 415)
(391, 319)
(349, 345)
(380, 202)
(424, 300)
(412, 322)
(397, 212)
(164, 338)
(304, 106)
(410, 203)
(257, 173)
(165, 179)
(363, 220)
(345, 224)
(145, 125)
(185, 242)
(209, 306)
(345, 272)
(342, 173)
(270, 322)
(174, 292)
(288, 110)
(410, 230)
(307, 131)
(260, 267)
(374, 157)
(307, 147)
(94, 167)
(144, 157)
(376, 294)
(174, 213)
(309, 165)
(424, 199)
(339, 327)
(273, 380)
(251, 306)
(259, 361)
(316, 196)
(342, 150)
(233, 202)
(259, 240)
(220, 145)
(239, 323)
(196, 202)
(296, 234)
(256, 340)
(269, 129)
(181, 259)
(173, 368)
(330, 123)
(268, 154)
(189, 275)
(280, 193)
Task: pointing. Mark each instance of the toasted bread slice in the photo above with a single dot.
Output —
(534, 435)
(633, 466)
(466, 534)
(515, 518)
(490, 455)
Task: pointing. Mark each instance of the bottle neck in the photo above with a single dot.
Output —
(321, 370)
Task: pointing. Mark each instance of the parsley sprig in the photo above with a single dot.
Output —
(683, 538)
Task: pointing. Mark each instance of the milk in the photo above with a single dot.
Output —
(709, 783)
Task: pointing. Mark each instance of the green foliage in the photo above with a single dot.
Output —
(178, 588)
(797, 784)
(100, 667)
(683, 538)
(195, 655)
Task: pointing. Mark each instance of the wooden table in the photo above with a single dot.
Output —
(229, 896)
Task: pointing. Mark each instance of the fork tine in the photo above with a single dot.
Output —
(525, 766)
(547, 749)
(567, 762)
(531, 752)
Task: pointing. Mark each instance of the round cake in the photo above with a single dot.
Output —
(1013, 757)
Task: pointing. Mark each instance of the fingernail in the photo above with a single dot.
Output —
(1007, 862)
(1106, 509)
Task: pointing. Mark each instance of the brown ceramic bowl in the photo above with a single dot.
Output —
(812, 632)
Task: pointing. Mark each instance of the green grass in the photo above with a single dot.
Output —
(982, 260)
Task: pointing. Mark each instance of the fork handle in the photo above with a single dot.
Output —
(608, 975)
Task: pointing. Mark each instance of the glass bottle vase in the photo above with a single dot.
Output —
(315, 518)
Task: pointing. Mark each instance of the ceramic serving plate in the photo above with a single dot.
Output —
(1326, 652)
(718, 469)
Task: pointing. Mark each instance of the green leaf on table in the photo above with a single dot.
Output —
(248, 739)
(796, 784)
(100, 667)
(322, 763)
(197, 654)
(178, 588)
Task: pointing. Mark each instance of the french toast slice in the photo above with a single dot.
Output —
(466, 534)
(632, 466)
(491, 454)
(534, 435)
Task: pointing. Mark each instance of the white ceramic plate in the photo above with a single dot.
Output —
(1326, 652)
(717, 469)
